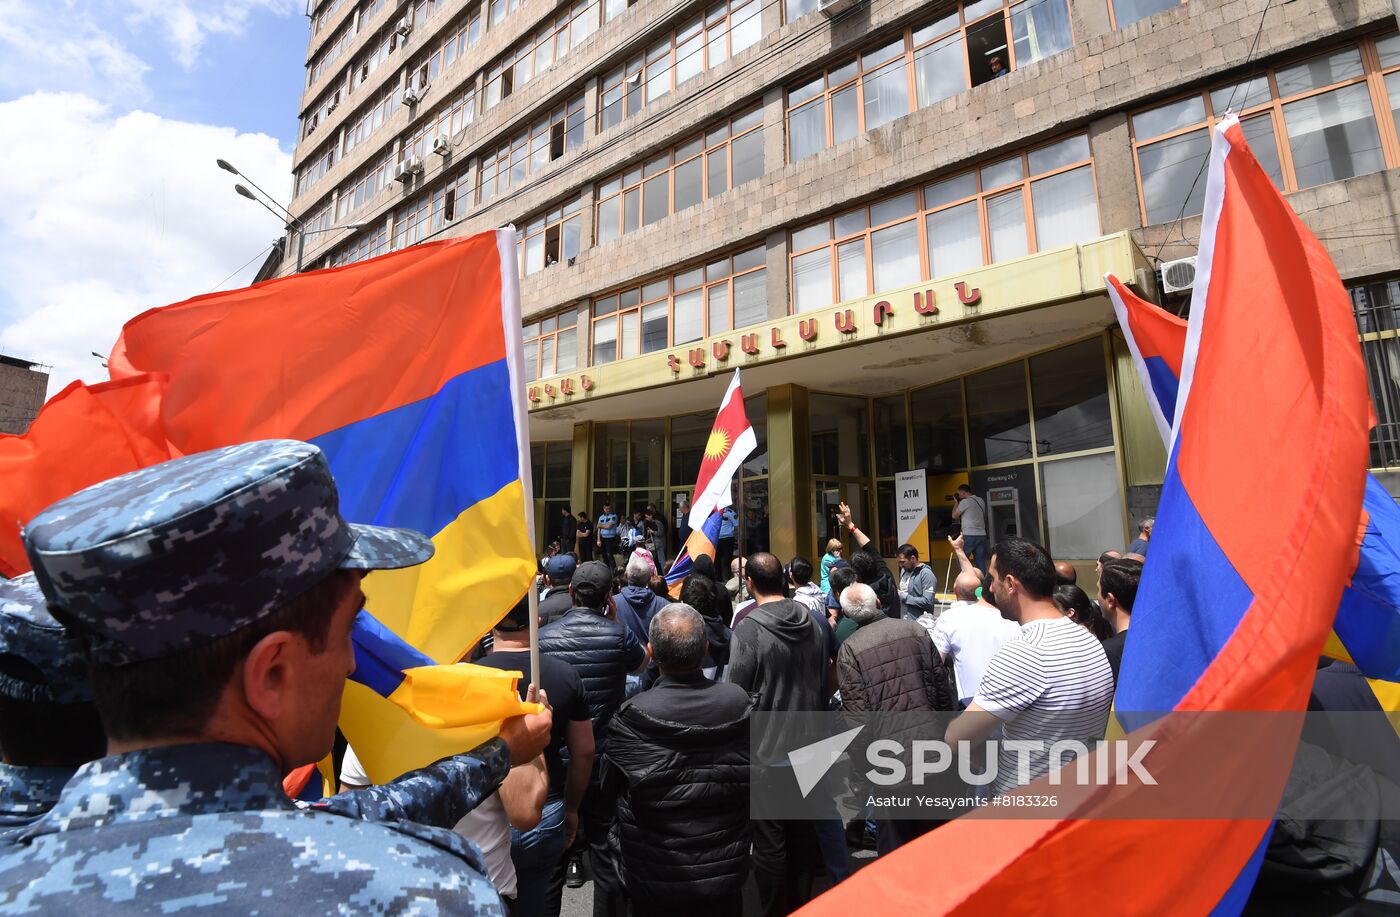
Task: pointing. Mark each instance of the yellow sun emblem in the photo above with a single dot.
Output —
(717, 445)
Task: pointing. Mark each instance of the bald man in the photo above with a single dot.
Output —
(969, 633)
(1065, 574)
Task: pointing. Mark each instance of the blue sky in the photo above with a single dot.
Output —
(112, 113)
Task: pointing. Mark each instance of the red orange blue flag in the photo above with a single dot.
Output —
(1255, 536)
(731, 440)
(1367, 627)
(406, 371)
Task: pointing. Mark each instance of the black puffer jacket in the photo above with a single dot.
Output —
(602, 651)
(682, 806)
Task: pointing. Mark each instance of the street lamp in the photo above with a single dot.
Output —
(99, 357)
(292, 223)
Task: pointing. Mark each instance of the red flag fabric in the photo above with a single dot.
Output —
(83, 435)
(1255, 537)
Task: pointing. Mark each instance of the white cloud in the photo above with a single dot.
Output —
(185, 24)
(76, 46)
(104, 215)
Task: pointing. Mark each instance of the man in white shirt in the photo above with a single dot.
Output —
(968, 634)
(1049, 684)
(971, 513)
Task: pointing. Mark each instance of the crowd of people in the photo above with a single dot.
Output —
(184, 639)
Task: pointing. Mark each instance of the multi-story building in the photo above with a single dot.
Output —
(895, 216)
(24, 385)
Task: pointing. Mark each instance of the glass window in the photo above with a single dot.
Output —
(604, 342)
(891, 436)
(1333, 136)
(895, 253)
(1066, 209)
(937, 416)
(1040, 28)
(806, 130)
(796, 9)
(1058, 155)
(1070, 387)
(1083, 506)
(998, 418)
(1169, 171)
(756, 409)
(811, 280)
(1170, 117)
(747, 153)
(1240, 96)
(1319, 72)
(1126, 12)
(886, 95)
(610, 455)
(689, 317)
(939, 71)
(840, 435)
(1260, 134)
(750, 299)
(558, 469)
(1006, 226)
(648, 441)
(850, 270)
(689, 433)
(654, 322)
(954, 240)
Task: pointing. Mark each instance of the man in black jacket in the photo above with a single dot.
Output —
(603, 652)
(556, 602)
(678, 764)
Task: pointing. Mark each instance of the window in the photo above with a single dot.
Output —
(1375, 305)
(1126, 12)
(796, 9)
(324, 14)
(363, 185)
(368, 243)
(548, 45)
(445, 50)
(551, 237)
(699, 44)
(1031, 201)
(551, 344)
(729, 292)
(317, 167)
(524, 155)
(922, 67)
(370, 118)
(706, 165)
(330, 53)
(499, 9)
(1318, 120)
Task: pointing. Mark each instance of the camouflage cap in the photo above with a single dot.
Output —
(29, 632)
(178, 554)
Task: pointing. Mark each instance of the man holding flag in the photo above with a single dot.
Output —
(216, 594)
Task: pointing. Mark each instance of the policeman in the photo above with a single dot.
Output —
(48, 724)
(215, 595)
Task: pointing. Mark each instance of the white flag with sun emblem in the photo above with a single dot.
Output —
(731, 441)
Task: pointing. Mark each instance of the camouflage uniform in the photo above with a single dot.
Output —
(29, 632)
(208, 825)
(169, 558)
(439, 794)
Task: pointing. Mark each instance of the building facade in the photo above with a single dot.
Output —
(24, 385)
(894, 216)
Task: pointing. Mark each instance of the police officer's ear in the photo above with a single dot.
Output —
(266, 679)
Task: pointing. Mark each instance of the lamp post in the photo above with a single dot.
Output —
(292, 223)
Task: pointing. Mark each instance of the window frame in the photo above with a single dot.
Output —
(922, 210)
(555, 219)
(1372, 76)
(551, 327)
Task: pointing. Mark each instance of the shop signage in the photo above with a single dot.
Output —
(844, 322)
(911, 509)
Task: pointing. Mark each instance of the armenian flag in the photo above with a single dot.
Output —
(406, 371)
(82, 436)
(1255, 536)
(731, 440)
(1367, 628)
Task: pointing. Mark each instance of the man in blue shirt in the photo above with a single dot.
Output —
(724, 551)
(607, 534)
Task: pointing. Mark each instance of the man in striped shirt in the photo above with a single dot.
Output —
(1051, 683)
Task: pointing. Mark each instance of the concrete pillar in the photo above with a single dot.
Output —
(1112, 150)
(789, 473)
(1089, 19)
(779, 298)
(774, 130)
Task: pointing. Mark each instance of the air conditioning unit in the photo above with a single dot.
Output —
(834, 8)
(414, 165)
(441, 145)
(401, 173)
(1178, 275)
(404, 26)
(411, 96)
